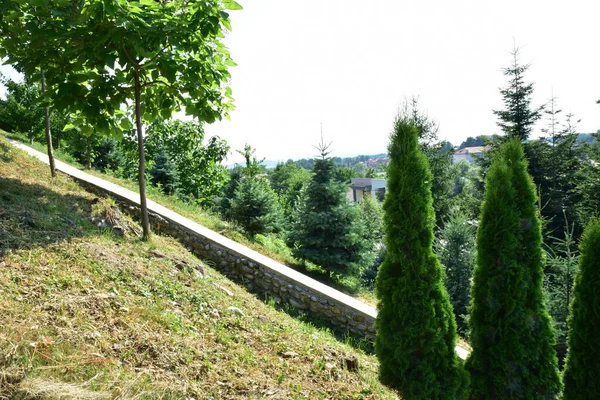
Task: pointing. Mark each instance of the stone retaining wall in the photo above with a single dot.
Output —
(259, 273)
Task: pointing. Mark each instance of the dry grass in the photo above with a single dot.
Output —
(87, 314)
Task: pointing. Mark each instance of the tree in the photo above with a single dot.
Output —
(438, 155)
(255, 206)
(455, 248)
(200, 175)
(159, 57)
(24, 38)
(511, 333)
(327, 229)
(289, 180)
(20, 111)
(163, 172)
(517, 118)
(582, 370)
(561, 267)
(416, 332)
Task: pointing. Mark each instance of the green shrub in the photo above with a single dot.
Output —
(582, 371)
(416, 331)
(510, 329)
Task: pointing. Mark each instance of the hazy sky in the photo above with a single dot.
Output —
(348, 64)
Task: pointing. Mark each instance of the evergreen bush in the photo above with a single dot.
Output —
(582, 370)
(510, 329)
(416, 331)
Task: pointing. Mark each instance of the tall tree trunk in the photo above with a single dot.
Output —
(142, 161)
(47, 128)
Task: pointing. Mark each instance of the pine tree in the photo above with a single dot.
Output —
(517, 118)
(327, 229)
(416, 331)
(582, 371)
(511, 333)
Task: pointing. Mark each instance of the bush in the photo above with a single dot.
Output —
(416, 332)
(510, 329)
(582, 371)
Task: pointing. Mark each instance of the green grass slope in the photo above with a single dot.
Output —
(86, 314)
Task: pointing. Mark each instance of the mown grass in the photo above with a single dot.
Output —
(263, 245)
(87, 314)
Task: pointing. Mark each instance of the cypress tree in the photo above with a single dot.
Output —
(582, 371)
(416, 331)
(511, 333)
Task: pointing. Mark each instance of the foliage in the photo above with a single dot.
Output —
(253, 166)
(455, 248)
(289, 180)
(102, 56)
(200, 175)
(511, 333)
(473, 142)
(517, 118)
(561, 266)
(416, 332)
(327, 230)
(438, 155)
(582, 370)
(255, 206)
(467, 193)
(20, 112)
(163, 172)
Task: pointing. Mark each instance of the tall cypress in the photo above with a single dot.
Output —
(511, 333)
(416, 331)
(582, 371)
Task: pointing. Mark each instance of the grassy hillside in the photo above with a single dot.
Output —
(88, 314)
(273, 249)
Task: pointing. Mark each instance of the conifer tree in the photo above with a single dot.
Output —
(255, 206)
(416, 331)
(511, 333)
(517, 118)
(582, 371)
(327, 230)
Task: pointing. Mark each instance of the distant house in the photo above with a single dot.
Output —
(361, 187)
(467, 153)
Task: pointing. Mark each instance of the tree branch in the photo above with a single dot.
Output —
(144, 65)
(155, 82)
(135, 63)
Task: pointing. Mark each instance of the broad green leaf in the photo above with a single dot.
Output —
(69, 127)
(126, 124)
(232, 5)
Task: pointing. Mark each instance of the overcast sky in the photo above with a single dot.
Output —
(348, 64)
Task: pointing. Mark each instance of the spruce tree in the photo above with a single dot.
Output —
(163, 172)
(511, 333)
(416, 331)
(517, 118)
(327, 230)
(582, 371)
(255, 206)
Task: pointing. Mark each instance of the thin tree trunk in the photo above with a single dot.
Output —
(142, 161)
(47, 127)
